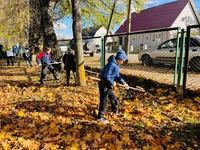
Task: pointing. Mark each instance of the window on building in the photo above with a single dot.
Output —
(156, 37)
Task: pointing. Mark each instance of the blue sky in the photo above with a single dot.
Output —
(64, 29)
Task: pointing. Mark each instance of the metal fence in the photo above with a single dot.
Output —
(158, 55)
(191, 78)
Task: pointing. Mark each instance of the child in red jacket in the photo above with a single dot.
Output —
(44, 58)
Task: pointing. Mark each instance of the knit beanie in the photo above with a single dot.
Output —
(121, 55)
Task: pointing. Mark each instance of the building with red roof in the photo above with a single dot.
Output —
(180, 13)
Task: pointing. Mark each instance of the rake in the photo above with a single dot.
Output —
(139, 89)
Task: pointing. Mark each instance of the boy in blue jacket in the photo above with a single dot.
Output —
(44, 58)
(107, 79)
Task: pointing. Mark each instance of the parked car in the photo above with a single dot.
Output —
(63, 47)
(165, 54)
(98, 48)
(88, 47)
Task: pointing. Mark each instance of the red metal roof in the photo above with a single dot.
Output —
(161, 16)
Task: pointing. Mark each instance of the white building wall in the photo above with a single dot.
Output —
(150, 39)
(186, 17)
(101, 32)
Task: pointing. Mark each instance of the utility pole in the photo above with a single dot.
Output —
(127, 38)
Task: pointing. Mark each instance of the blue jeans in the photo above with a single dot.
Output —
(28, 62)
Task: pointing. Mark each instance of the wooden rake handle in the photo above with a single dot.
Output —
(121, 85)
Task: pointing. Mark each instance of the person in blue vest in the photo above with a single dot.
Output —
(45, 60)
(11, 54)
(107, 78)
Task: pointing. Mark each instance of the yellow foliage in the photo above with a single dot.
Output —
(97, 136)
(6, 146)
(64, 96)
(197, 99)
(20, 113)
(50, 139)
(52, 125)
(116, 128)
(125, 137)
(162, 98)
(75, 146)
(50, 94)
(68, 121)
(149, 124)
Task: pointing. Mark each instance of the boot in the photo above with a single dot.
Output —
(55, 76)
(42, 81)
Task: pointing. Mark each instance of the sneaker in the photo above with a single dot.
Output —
(117, 113)
(42, 81)
(103, 120)
(57, 78)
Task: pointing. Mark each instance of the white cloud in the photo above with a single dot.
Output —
(61, 36)
(152, 2)
(60, 26)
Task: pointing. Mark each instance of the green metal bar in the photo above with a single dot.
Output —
(176, 58)
(181, 59)
(102, 57)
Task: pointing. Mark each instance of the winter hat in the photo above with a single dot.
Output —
(121, 55)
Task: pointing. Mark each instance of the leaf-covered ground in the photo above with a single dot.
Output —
(53, 116)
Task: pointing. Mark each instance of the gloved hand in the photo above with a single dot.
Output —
(126, 86)
(114, 83)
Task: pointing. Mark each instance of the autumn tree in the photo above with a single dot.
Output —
(77, 34)
(41, 26)
(14, 22)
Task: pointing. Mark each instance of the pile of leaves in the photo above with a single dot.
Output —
(54, 116)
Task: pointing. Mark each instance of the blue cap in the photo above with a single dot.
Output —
(121, 55)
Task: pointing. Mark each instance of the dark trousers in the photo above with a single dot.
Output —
(45, 68)
(106, 92)
(10, 59)
(68, 75)
(28, 62)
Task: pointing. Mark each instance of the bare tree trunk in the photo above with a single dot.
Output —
(49, 36)
(35, 30)
(77, 34)
(41, 26)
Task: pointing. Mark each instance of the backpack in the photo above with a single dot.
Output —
(25, 55)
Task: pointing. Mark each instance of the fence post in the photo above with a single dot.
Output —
(102, 57)
(181, 59)
(176, 60)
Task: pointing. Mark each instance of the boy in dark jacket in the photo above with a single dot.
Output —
(69, 61)
(27, 56)
(107, 76)
(44, 58)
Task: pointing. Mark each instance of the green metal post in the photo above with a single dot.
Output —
(102, 57)
(176, 60)
(181, 59)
